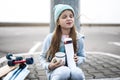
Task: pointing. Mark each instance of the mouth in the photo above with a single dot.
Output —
(69, 23)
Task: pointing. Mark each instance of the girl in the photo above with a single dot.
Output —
(54, 42)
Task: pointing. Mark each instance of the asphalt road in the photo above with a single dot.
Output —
(29, 39)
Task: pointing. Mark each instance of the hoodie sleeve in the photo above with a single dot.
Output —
(45, 47)
(81, 50)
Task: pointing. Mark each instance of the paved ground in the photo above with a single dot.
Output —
(97, 66)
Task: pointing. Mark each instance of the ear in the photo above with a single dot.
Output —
(58, 23)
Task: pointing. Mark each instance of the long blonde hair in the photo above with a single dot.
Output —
(56, 39)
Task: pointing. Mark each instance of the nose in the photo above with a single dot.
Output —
(68, 18)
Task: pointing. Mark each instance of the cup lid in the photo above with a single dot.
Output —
(60, 54)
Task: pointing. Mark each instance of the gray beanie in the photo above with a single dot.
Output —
(59, 8)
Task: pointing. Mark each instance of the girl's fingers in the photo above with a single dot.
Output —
(75, 54)
(54, 61)
(75, 57)
(60, 63)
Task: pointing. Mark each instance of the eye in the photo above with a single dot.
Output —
(64, 16)
(71, 16)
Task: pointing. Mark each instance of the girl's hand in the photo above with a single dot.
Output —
(54, 64)
(75, 58)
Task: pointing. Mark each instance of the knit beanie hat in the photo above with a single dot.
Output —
(58, 9)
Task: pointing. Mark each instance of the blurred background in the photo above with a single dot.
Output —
(25, 23)
(37, 11)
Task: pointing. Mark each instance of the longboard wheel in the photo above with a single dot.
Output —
(29, 60)
(19, 58)
(11, 63)
(8, 56)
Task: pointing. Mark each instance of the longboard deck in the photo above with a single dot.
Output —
(17, 74)
(6, 69)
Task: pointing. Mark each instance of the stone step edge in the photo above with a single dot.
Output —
(118, 78)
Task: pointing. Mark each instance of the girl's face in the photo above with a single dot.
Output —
(66, 19)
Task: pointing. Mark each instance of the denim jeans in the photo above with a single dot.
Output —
(65, 73)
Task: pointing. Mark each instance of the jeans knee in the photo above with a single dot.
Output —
(65, 73)
(77, 74)
(61, 73)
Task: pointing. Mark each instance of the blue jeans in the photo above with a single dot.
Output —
(65, 73)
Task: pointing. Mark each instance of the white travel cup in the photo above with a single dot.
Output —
(60, 56)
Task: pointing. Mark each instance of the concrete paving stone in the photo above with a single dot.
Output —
(113, 75)
(85, 66)
(106, 59)
(90, 57)
(99, 75)
(92, 71)
(85, 72)
(42, 78)
(114, 69)
(100, 62)
(114, 59)
(93, 59)
(36, 57)
(89, 76)
(36, 61)
(39, 68)
(117, 61)
(87, 61)
(26, 79)
(118, 73)
(31, 79)
(114, 64)
(38, 65)
(117, 65)
(31, 66)
(118, 78)
(31, 76)
(106, 65)
(41, 73)
(32, 70)
(107, 72)
(94, 63)
(99, 67)
(34, 79)
(3, 64)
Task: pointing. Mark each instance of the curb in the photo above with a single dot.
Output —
(107, 79)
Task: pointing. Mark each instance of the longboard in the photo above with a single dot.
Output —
(6, 69)
(17, 67)
(17, 74)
